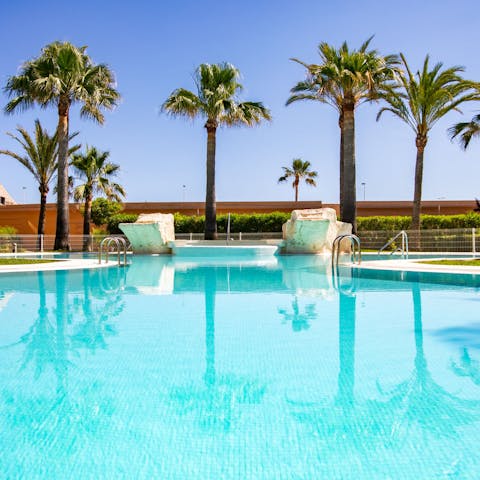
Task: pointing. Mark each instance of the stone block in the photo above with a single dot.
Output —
(312, 231)
(151, 233)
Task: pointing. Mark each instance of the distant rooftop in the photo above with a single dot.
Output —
(5, 197)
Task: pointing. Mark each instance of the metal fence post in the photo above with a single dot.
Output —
(474, 249)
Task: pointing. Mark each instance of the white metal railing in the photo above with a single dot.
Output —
(121, 249)
(355, 250)
(403, 249)
(45, 243)
(460, 240)
(451, 240)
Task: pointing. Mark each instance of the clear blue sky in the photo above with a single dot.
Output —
(154, 47)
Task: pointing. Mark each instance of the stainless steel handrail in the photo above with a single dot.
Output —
(354, 243)
(121, 249)
(403, 249)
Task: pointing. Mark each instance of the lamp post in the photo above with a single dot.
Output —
(24, 194)
(363, 186)
(440, 199)
(183, 192)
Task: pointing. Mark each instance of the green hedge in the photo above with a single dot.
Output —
(428, 222)
(272, 222)
(103, 210)
(7, 230)
(114, 220)
(239, 222)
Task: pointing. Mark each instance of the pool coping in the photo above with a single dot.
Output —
(415, 265)
(60, 264)
(411, 265)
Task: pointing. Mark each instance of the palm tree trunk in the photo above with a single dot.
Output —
(295, 185)
(349, 213)
(87, 219)
(417, 196)
(42, 214)
(420, 142)
(43, 210)
(63, 220)
(340, 124)
(210, 202)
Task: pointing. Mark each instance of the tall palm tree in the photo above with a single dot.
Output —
(465, 131)
(300, 170)
(344, 79)
(216, 101)
(39, 157)
(421, 100)
(96, 172)
(62, 76)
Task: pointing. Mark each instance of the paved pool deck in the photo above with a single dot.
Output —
(415, 265)
(60, 264)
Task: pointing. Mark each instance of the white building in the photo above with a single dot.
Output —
(5, 197)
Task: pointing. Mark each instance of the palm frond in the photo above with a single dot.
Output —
(465, 131)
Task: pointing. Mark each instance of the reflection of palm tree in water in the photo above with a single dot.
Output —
(412, 400)
(40, 339)
(300, 321)
(217, 403)
(98, 317)
(338, 424)
(467, 367)
(83, 408)
(348, 425)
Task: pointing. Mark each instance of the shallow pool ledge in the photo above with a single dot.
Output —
(220, 248)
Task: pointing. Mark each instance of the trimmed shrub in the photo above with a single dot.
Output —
(188, 224)
(114, 220)
(7, 230)
(272, 222)
(103, 209)
(428, 222)
(239, 222)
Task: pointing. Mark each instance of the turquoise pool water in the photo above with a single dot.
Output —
(180, 369)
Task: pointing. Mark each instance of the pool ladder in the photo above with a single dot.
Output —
(403, 249)
(356, 252)
(121, 249)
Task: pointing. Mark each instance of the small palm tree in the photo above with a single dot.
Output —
(421, 100)
(344, 79)
(96, 172)
(216, 101)
(61, 76)
(465, 131)
(299, 170)
(39, 157)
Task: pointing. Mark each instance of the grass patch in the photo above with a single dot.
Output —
(23, 261)
(453, 261)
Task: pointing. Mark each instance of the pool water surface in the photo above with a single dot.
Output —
(233, 369)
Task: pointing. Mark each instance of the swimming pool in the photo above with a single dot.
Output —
(200, 369)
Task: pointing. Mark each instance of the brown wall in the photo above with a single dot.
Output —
(25, 217)
(198, 208)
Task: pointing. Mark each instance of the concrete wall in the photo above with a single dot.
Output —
(25, 217)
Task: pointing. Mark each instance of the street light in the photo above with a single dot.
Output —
(440, 198)
(363, 185)
(24, 194)
(183, 192)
